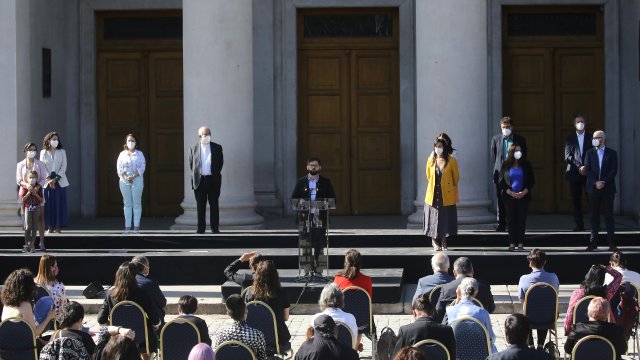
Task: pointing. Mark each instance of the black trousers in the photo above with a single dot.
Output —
(602, 201)
(208, 191)
(517, 219)
(577, 190)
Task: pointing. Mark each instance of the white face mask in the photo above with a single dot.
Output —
(53, 143)
(206, 139)
(595, 142)
(580, 126)
(32, 181)
(438, 151)
(517, 155)
(506, 131)
(31, 154)
(131, 145)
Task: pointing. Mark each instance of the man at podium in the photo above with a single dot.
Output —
(313, 223)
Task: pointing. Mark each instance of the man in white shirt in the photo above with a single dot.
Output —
(575, 149)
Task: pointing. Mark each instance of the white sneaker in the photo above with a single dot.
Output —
(127, 231)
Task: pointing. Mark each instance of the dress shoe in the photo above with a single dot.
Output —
(200, 232)
(592, 247)
(215, 231)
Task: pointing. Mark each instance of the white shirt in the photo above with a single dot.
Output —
(600, 156)
(627, 276)
(130, 164)
(344, 317)
(580, 142)
(205, 159)
(56, 163)
(313, 185)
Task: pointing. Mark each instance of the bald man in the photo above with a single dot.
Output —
(601, 168)
(205, 163)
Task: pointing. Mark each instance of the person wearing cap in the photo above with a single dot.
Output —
(324, 344)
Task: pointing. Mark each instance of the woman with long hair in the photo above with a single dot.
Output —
(47, 278)
(351, 275)
(17, 294)
(618, 261)
(266, 288)
(130, 166)
(55, 188)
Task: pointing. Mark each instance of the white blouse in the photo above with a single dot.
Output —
(130, 164)
(56, 163)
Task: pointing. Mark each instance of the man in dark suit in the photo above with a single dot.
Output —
(499, 147)
(462, 268)
(425, 328)
(598, 312)
(440, 267)
(516, 330)
(149, 286)
(187, 307)
(575, 149)
(205, 163)
(601, 167)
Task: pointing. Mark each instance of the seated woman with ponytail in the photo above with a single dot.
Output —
(351, 275)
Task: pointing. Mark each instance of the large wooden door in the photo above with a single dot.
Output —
(349, 117)
(546, 80)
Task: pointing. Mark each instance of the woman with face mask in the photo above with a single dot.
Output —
(516, 181)
(440, 213)
(130, 167)
(24, 167)
(48, 278)
(55, 189)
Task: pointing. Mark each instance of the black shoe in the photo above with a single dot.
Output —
(501, 228)
(592, 247)
(200, 232)
(613, 248)
(215, 231)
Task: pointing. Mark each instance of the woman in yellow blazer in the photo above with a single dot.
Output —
(440, 213)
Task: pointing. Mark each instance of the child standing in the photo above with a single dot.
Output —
(32, 197)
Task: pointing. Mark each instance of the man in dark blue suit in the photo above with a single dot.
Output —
(601, 166)
(440, 266)
(150, 286)
(516, 331)
(575, 149)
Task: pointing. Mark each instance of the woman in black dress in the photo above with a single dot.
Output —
(516, 181)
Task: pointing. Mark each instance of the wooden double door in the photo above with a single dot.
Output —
(547, 79)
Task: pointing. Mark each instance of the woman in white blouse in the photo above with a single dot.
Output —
(130, 166)
(31, 163)
(55, 189)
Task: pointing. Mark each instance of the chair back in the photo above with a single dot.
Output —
(234, 350)
(129, 314)
(17, 340)
(345, 336)
(434, 295)
(472, 339)
(580, 309)
(433, 349)
(41, 291)
(593, 347)
(541, 306)
(261, 316)
(177, 338)
(243, 292)
(357, 302)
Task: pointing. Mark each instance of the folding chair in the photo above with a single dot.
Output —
(541, 308)
(634, 330)
(261, 316)
(234, 350)
(41, 292)
(434, 295)
(593, 347)
(177, 338)
(358, 303)
(433, 349)
(472, 339)
(345, 336)
(129, 314)
(580, 309)
(17, 340)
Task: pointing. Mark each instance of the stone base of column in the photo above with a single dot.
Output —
(469, 212)
(240, 216)
(9, 219)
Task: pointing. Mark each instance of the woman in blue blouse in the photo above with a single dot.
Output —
(130, 166)
(516, 181)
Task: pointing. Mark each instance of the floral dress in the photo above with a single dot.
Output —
(57, 293)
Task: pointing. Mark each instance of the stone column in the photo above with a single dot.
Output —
(218, 92)
(452, 96)
(14, 69)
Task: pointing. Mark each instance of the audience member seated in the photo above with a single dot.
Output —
(517, 330)
(47, 272)
(537, 259)
(440, 267)
(598, 312)
(243, 279)
(187, 307)
(125, 287)
(201, 351)
(462, 268)
(239, 330)
(351, 275)
(17, 295)
(618, 261)
(593, 284)
(149, 286)
(425, 328)
(466, 307)
(410, 353)
(105, 334)
(324, 344)
(266, 288)
(121, 347)
(331, 303)
(70, 322)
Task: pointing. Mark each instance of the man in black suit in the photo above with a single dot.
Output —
(440, 267)
(499, 147)
(205, 163)
(601, 167)
(187, 307)
(425, 328)
(575, 149)
(516, 330)
(462, 268)
(598, 312)
(150, 286)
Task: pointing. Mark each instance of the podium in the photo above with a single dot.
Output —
(313, 236)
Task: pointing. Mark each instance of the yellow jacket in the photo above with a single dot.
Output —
(449, 182)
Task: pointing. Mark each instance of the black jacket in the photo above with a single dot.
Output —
(607, 173)
(323, 190)
(152, 289)
(519, 352)
(322, 348)
(425, 328)
(610, 331)
(243, 279)
(497, 154)
(527, 173)
(201, 325)
(448, 294)
(572, 155)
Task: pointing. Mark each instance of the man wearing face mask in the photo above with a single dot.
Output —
(601, 168)
(499, 147)
(575, 149)
(205, 163)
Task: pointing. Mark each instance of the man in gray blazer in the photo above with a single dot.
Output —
(205, 163)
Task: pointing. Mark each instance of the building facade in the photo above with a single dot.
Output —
(366, 85)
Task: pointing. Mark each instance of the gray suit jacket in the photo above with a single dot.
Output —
(195, 162)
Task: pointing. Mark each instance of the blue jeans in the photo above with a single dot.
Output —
(132, 198)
